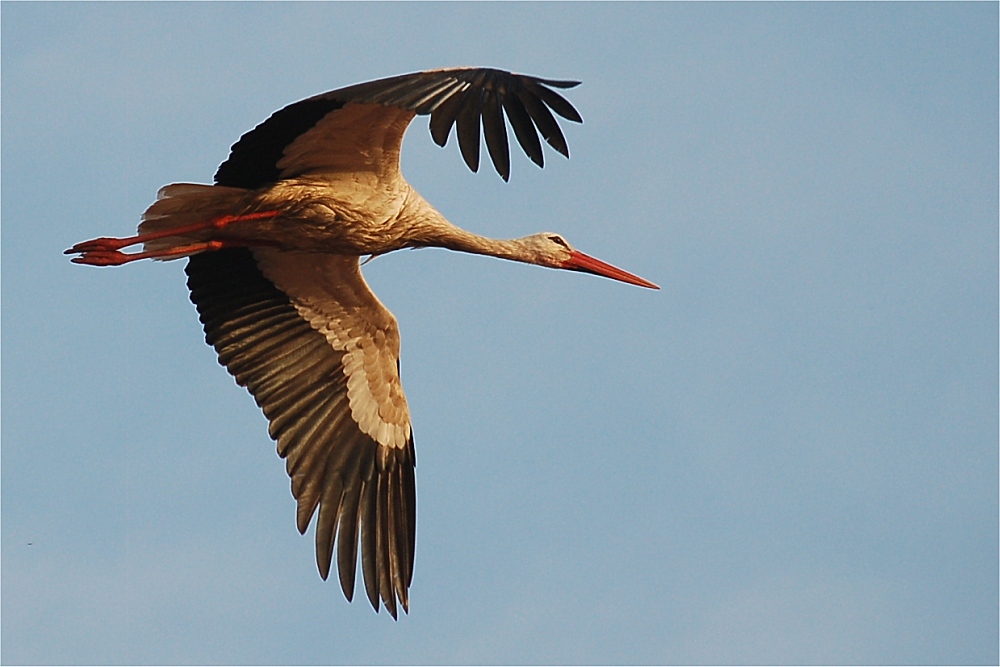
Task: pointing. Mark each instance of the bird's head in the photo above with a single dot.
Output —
(552, 250)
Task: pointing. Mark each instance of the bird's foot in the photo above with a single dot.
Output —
(100, 257)
(102, 244)
(109, 256)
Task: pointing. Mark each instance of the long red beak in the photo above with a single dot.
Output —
(580, 262)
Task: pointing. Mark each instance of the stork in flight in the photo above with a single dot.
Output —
(274, 248)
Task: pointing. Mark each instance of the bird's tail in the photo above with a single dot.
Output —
(184, 206)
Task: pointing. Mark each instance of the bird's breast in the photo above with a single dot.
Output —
(353, 214)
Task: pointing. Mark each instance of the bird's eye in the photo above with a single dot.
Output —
(559, 240)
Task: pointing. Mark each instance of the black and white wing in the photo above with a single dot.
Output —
(362, 126)
(320, 355)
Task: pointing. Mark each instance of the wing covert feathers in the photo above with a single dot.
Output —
(298, 379)
(468, 97)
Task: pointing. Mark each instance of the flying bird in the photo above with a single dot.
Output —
(274, 248)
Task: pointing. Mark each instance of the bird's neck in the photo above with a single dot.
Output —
(430, 229)
(459, 239)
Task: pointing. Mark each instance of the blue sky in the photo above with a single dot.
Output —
(788, 454)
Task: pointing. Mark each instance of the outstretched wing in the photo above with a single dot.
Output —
(319, 353)
(360, 127)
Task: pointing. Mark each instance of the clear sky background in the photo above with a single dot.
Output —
(788, 454)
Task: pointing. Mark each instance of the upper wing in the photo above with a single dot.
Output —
(361, 127)
(319, 354)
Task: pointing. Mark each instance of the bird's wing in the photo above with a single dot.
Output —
(360, 127)
(319, 353)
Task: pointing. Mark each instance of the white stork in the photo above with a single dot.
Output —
(274, 271)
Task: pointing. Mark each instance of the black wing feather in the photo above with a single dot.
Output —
(468, 127)
(347, 534)
(557, 102)
(443, 117)
(496, 133)
(544, 121)
(524, 129)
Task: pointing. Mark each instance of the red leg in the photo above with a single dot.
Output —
(111, 245)
(103, 257)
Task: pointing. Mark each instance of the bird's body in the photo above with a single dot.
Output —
(327, 217)
(274, 269)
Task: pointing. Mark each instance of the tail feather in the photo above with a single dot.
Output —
(184, 204)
